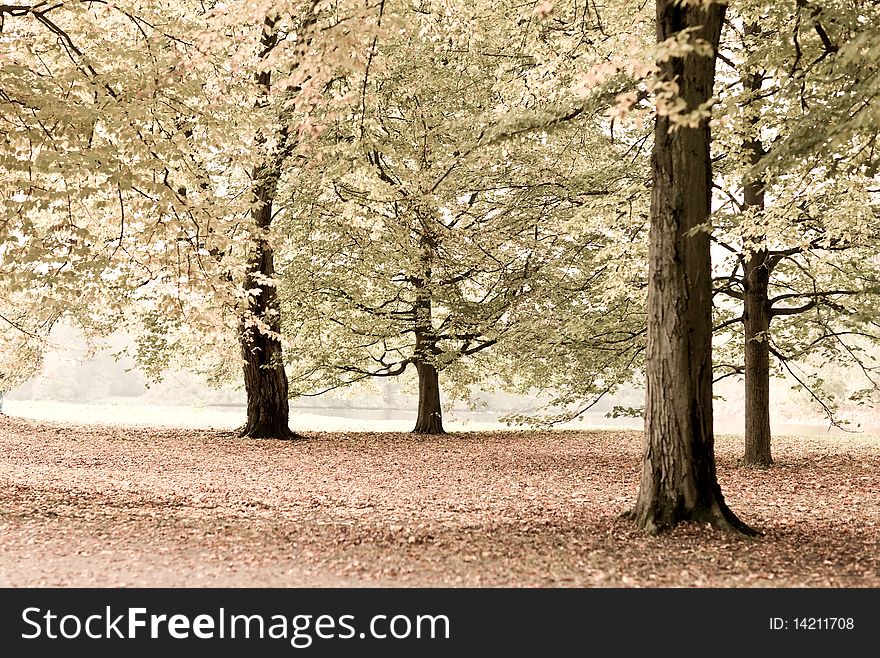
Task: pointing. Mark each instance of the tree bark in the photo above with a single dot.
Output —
(430, 414)
(756, 309)
(265, 381)
(679, 481)
(756, 323)
(430, 417)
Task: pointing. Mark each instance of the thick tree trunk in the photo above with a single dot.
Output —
(678, 481)
(430, 418)
(265, 380)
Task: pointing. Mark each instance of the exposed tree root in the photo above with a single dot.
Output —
(653, 521)
(265, 431)
(420, 429)
(431, 423)
(757, 463)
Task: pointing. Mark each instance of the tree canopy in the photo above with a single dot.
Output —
(556, 197)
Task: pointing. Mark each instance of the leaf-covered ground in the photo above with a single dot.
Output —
(89, 505)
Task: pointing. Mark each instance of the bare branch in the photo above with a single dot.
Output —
(727, 323)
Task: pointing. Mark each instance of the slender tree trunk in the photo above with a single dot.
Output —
(756, 308)
(678, 481)
(265, 381)
(756, 322)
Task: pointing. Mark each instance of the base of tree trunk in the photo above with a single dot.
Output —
(431, 425)
(267, 431)
(655, 520)
(757, 452)
(757, 461)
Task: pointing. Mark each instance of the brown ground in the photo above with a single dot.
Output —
(132, 506)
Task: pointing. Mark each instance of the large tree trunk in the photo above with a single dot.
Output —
(430, 418)
(756, 310)
(265, 380)
(678, 480)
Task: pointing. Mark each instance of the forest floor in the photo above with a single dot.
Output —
(108, 506)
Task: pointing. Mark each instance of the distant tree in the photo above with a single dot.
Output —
(435, 233)
(797, 236)
(144, 148)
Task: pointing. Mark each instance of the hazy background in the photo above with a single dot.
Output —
(74, 385)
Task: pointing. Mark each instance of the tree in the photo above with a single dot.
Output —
(293, 61)
(265, 379)
(147, 143)
(796, 235)
(436, 232)
(679, 481)
(412, 255)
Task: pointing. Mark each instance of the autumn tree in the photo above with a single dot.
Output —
(797, 236)
(282, 56)
(264, 376)
(443, 224)
(144, 151)
(678, 481)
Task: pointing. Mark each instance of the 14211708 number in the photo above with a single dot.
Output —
(823, 623)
